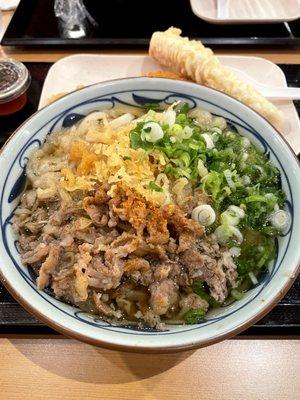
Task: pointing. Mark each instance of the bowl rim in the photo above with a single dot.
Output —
(145, 349)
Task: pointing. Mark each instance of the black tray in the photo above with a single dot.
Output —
(131, 23)
(284, 319)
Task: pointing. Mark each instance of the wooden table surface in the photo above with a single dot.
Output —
(60, 368)
(65, 369)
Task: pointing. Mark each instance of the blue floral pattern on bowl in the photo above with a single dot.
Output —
(14, 183)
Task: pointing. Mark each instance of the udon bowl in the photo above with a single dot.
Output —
(220, 323)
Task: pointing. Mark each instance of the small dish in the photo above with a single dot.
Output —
(15, 80)
(248, 11)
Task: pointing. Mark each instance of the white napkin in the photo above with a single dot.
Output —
(8, 4)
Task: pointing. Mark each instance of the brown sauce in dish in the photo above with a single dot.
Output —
(13, 106)
(14, 82)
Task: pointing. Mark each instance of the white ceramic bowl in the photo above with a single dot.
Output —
(221, 323)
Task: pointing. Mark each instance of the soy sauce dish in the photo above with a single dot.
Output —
(148, 215)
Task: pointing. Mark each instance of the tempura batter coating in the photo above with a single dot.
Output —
(198, 63)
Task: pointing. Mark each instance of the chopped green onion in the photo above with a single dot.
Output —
(225, 232)
(256, 252)
(194, 316)
(280, 219)
(236, 294)
(245, 142)
(153, 186)
(183, 108)
(185, 157)
(225, 165)
(258, 198)
(229, 218)
(152, 106)
(211, 184)
(193, 146)
(235, 251)
(208, 141)
(246, 180)
(202, 170)
(198, 288)
(152, 132)
(187, 132)
(237, 211)
(228, 176)
(176, 130)
(204, 214)
(182, 172)
(168, 117)
(253, 278)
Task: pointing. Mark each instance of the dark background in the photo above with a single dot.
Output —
(132, 22)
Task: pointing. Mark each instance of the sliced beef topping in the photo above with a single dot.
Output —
(36, 255)
(116, 254)
(164, 296)
(48, 267)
